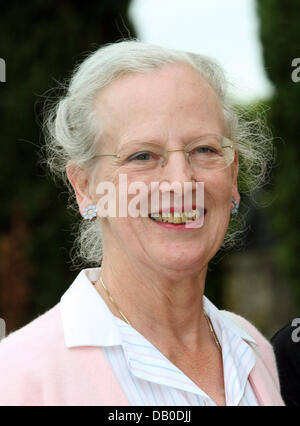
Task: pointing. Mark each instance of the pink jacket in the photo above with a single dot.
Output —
(36, 368)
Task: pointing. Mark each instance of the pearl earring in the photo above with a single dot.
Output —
(90, 212)
(236, 207)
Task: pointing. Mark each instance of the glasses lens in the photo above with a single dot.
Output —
(211, 152)
(140, 156)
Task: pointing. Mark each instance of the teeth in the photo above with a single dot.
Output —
(191, 213)
(177, 217)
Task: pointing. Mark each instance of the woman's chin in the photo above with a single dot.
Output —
(176, 259)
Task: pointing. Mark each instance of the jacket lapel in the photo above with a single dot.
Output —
(113, 393)
(263, 385)
(262, 382)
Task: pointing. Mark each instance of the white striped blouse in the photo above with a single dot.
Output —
(149, 378)
(145, 374)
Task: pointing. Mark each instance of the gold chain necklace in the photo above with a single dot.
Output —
(213, 332)
(126, 320)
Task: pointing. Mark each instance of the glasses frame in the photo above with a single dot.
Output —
(186, 153)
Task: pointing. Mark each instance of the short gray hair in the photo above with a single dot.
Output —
(71, 131)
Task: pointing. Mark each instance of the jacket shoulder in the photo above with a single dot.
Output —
(23, 356)
(36, 335)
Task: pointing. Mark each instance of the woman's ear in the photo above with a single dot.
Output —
(79, 180)
(235, 166)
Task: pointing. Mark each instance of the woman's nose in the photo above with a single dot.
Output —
(176, 167)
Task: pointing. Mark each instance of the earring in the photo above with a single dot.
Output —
(90, 212)
(236, 207)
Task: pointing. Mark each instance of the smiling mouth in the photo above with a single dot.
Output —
(178, 218)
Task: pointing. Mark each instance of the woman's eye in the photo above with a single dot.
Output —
(141, 156)
(205, 150)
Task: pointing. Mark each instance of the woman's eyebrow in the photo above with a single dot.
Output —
(142, 141)
(159, 141)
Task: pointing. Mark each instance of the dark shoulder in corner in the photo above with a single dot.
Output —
(288, 337)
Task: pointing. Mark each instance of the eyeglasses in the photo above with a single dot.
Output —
(209, 152)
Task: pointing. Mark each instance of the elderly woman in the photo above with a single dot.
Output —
(138, 330)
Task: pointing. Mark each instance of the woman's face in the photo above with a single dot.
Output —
(172, 107)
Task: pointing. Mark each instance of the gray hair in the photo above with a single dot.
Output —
(71, 131)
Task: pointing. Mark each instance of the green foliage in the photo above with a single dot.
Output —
(280, 36)
(41, 43)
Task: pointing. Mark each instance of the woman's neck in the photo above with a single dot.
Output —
(166, 308)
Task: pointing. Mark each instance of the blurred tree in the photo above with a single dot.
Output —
(280, 36)
(40, 43)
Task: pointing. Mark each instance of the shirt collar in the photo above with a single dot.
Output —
(235, 327)
(87, 320)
